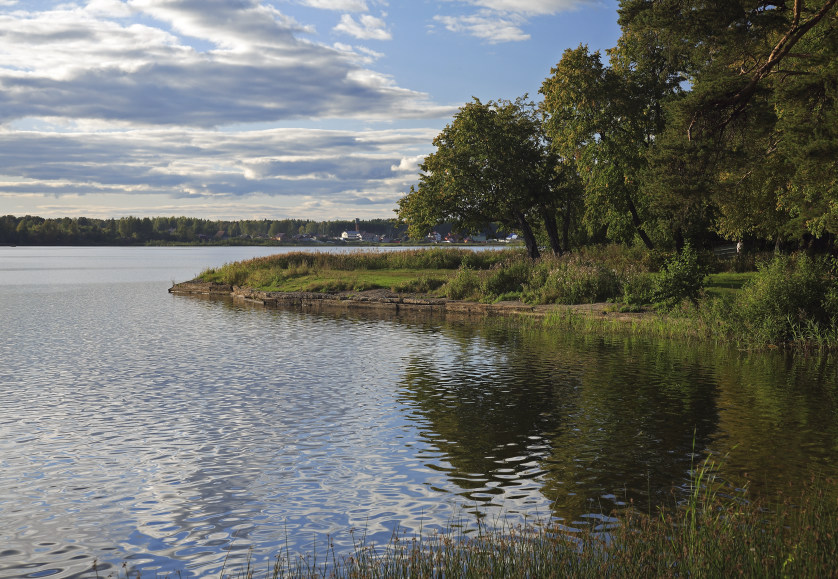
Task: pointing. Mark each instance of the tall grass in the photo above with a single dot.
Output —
(716, 531)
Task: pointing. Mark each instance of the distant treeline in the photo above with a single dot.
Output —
(31, 230)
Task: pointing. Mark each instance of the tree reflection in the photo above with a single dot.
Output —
(593, 423)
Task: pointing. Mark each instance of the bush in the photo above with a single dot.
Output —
(465, 284)
(787, 294)
(682, 277)
(422, 284)
(639, 289)
(506, 278)
(571, 282)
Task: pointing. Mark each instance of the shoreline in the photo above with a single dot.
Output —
(387, 301)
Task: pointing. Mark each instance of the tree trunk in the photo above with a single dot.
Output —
(549, 218)
(529, 236)
(679, 240)
(635, 219)
(566, 227)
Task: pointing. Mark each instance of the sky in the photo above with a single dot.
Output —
(255, 109)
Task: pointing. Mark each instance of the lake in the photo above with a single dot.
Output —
(172, 433)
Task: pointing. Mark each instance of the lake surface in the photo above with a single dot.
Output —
(171, 433)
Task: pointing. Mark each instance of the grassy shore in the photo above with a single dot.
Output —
(712, 535)
(753, 301)
(716, 531)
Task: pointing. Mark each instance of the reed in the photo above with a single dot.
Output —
(716, 531)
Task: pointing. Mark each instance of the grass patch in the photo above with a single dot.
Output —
(789, 300)
(727, 283)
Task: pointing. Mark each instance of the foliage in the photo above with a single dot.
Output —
(506, 279)
(605, 118)
(464, 285)
(752, 144)
(682, 278)
(639, 289)
(423, 284)
(789, 297)
(490, 165)
(570, 281)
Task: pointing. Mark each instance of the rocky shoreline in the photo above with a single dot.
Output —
(385, 300)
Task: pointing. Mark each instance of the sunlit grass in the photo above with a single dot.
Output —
(791, 301)
(726, 283)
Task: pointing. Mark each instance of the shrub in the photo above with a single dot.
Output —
(787, 294)
(506, 278)
(571, 282)
(682, 277)
(465, 284)
(639, 289)
(422, 284)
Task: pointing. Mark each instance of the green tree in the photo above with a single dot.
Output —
(604, 119)
(753, 136)
(489, 166)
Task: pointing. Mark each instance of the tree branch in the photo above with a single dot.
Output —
(739, 101)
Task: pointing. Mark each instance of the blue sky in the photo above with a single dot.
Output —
(251, 109)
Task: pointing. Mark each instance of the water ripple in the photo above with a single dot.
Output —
(174, 433)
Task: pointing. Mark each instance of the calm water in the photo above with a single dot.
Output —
(171, 432)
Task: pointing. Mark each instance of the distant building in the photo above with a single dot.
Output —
(351, 236)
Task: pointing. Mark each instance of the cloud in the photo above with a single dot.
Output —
(337, 5)
(499, 21)
(533, 7)
(253, 67)
(111, 8)
(199, 163)
(408, 164)
(488, 26)
(368, 27)
(360, 54)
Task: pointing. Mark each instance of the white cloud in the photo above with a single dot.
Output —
(75, 63)
(491, 27)
(534, 7)
(337, 5)
(368, 27)
(503, 20)
(111, 8)
(239, 25)
(360, 54)
(408, 164)
(199, 163)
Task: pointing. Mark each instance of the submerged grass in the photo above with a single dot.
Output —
(716, 531)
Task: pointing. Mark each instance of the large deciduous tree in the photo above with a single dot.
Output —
(605, 118)
(491, 165)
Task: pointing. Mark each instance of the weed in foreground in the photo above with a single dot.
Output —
(716, 531)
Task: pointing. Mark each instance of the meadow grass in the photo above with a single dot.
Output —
(789, 301)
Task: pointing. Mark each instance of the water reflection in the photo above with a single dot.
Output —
(517, 417)
(170, 431)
